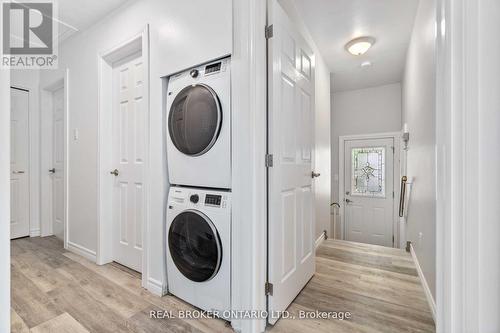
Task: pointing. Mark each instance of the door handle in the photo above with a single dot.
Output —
(18, 172)
(53, 170)
(315, 174)
(115, 172)
(348, 201)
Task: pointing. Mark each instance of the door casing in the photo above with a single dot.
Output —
(397, 151)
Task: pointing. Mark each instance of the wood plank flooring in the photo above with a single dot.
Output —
(57, 291)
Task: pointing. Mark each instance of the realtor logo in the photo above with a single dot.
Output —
(28, 30)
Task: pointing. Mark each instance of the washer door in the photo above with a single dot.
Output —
(195, 246)
(195, 119)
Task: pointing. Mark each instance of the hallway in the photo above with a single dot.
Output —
(379, 286)
(56, 290)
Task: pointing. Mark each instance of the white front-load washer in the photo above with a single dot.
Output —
(199, 247)
(199, 126)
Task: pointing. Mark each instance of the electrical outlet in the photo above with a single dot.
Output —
(420, 238)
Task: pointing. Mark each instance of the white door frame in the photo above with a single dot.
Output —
(396, 136)
(249, 93)
(46, 144)
(30, 155)
(105, 60)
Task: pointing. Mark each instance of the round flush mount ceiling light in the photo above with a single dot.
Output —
(359, 46)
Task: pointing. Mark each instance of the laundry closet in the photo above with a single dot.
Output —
(198, 218)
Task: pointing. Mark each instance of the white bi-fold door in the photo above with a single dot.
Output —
(57, 170)
(291, 132)
(128, 145)
(19, 164)
(369, 191)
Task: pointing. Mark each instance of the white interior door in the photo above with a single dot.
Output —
(291, 132)
(19, 164)
(369, 191)
(57, 170)
(129, 138)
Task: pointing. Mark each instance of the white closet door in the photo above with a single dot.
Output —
(129, 137)
(291, 133)
(19, 164)
(58, 164)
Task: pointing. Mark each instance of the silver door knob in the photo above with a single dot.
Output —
(53, 170)
(315, 174)
(17, 172)
(115, 172)
(348, 201)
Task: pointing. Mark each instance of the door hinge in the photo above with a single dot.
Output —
(269, 160)
(269, 31)
(269, 289)
(393, 149)
(393, 195)
(393, 240)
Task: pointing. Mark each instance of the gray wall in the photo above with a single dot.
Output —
(363, 111)
(419, 113)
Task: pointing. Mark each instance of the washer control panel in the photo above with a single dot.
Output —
(213, 200)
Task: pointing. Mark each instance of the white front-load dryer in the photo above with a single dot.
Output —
(199, 247)
(199, 126)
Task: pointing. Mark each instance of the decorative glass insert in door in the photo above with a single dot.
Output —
(368, 171)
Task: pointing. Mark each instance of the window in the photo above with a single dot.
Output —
(368, 171)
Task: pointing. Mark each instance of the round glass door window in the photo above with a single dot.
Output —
(195, 246)
(195, 119)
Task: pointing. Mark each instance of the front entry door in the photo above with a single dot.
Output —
(57, 170)
(369, 191)
(291, 133)
(19, 164)
(129, 138)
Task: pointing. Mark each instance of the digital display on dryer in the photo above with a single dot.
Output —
(212, 68)
(213, 200)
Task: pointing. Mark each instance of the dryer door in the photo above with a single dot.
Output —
(195, 119)
(195, 246)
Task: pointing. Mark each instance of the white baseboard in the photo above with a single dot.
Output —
(35, 232)
(320, 239)
(155, 287)
(428, 294)
(82, 251)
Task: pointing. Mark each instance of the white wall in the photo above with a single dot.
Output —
(4, 201)
(363, 111)
(322, 126)
(29, 79)
(182, 34)
(419, 99)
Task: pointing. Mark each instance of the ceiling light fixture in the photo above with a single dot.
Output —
(359, 46)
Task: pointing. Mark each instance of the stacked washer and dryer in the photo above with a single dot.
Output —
(199, 201)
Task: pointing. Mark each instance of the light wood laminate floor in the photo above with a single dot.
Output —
(57, 291)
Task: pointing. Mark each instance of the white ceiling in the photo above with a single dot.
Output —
(332, 23)
(78, 15)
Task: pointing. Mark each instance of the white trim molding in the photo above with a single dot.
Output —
(423, 281)
(468, 142)
(82, 251)
(35, 232)
(396, 136)
(249, 234)
(155, 287)
(320, 239)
